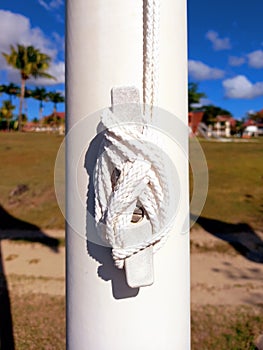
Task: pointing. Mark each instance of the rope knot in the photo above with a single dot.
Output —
(129, 172)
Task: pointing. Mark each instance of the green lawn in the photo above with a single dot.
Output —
(235, 179)
(38, 322)
(225, 327)
(29, 159)
(235, 182)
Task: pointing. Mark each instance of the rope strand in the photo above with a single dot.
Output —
(151, 29)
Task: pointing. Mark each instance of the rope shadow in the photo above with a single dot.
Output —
(240, 236)
(12, 228)
(107, 270)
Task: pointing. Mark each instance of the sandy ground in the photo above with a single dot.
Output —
(219, 275)
(34, 267)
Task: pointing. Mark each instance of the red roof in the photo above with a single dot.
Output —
(260, 112)
(224, 118)
(57, 114)
(253, 122)
(250, 122)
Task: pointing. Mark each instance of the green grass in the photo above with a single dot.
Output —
(235, 182)
(29, 159)
(38, 322)
(226, 328)
(235, 179)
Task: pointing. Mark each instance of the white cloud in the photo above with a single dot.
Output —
(240, 87)
(200, 71)
(236, 61)
(218, 43)
(255, 59)
(44, 4)
(51, 5)
(205, 101)
(17, 29)
(59, 41)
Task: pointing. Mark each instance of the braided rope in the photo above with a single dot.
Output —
(151, 29)
(136, 156)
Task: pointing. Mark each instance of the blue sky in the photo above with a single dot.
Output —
(225, 52)
(225, 48)
(39, 23)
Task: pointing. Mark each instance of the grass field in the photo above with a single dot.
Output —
(235, 195)
(39, 328)
(213, 328)
(29, 159)
(235, 182)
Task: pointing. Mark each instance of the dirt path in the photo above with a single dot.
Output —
(35, 267)
(219, 274)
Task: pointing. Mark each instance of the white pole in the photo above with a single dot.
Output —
(105, 49)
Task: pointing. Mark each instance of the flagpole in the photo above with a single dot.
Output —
(104, 50)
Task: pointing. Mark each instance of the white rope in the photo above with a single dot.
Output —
(141, 179)
(136, 157)
(151, 15)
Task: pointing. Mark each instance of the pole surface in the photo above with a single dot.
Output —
(105, 49)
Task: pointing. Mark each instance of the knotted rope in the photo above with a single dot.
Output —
(140, 179)
(130, 170)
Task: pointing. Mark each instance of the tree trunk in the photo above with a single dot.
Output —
(23, 85)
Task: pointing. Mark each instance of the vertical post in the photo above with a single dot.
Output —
(105, 49)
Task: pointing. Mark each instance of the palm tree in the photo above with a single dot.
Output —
(31, 63)
(194, 95)
(55, 97)
(41, 95)
(11, 90)
(7, 112)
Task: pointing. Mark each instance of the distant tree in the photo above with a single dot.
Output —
(55, 97)
(53, 120)
(11, 90)
(211, 112)
(41, 95)
(24, 119)
(35, 120)
(31, 63)
(194, 95)
(240, 126)
(6, 112)
(257, 117)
